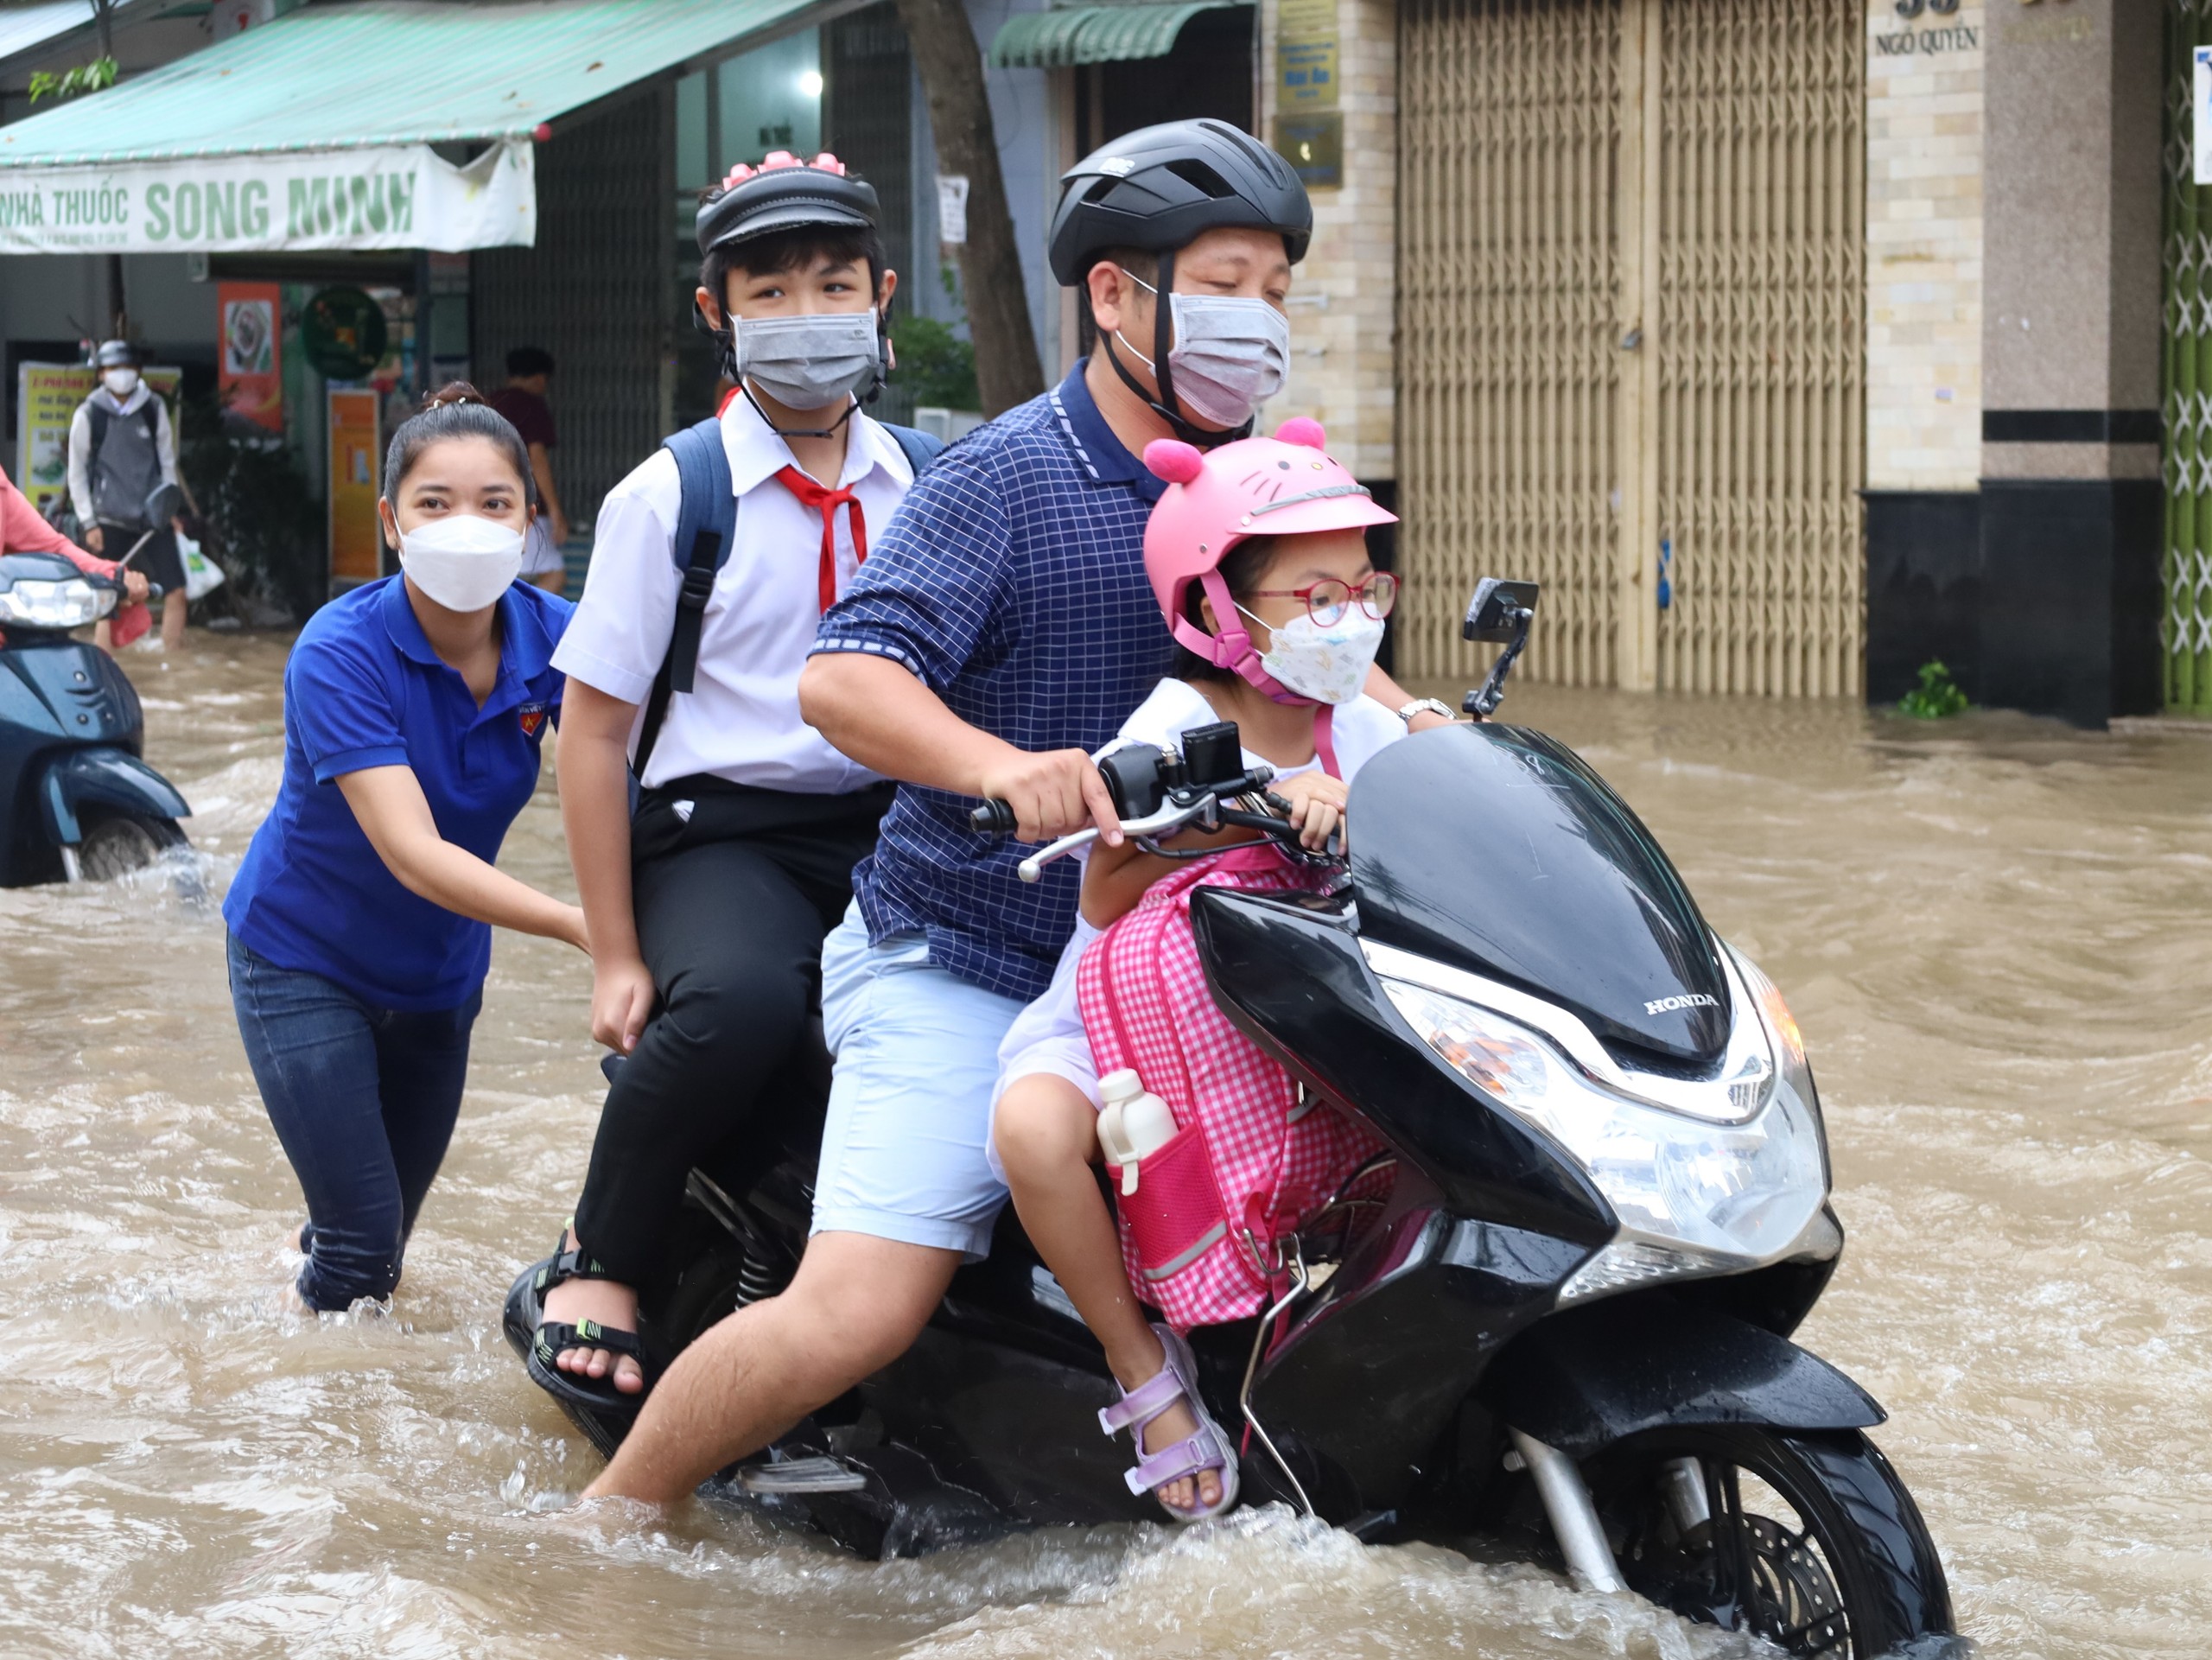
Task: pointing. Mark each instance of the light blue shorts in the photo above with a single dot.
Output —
(910, 1106)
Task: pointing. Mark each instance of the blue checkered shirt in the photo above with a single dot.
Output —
(1012, 584)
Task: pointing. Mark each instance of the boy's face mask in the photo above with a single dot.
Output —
(1328, 664)
(120, 381)
(810, 361)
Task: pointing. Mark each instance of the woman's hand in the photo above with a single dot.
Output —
(621, 1001)
(134, 588)
(1314, 802)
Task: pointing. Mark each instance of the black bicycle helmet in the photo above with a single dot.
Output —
(1160, 188)
(119, 354)
(784, 194)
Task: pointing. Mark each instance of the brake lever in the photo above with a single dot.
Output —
(1166, 822)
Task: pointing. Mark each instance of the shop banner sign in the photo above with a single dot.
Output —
(47, 397)
(397, 197)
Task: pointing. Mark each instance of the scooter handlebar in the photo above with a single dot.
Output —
(994, 818)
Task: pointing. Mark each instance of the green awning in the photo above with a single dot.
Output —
(316, 130)
(383, 72)
(1111, 34)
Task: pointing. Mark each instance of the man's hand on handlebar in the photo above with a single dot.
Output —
(1052, 794)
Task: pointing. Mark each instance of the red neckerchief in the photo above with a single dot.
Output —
(826, 501)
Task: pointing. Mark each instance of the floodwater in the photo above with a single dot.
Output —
(1997, 935)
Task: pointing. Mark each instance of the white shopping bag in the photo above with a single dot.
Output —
(202, 576)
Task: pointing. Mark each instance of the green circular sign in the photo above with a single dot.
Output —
(342, 331)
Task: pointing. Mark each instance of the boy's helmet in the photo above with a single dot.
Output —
(784, 194)
(1283, 486)
(1160, 188)
(119, 354)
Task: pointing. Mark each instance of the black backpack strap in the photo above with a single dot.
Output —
(97, 417)
(705, 526)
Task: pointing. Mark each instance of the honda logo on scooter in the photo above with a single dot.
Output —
(1687, 1000)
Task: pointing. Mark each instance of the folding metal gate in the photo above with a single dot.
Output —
(2186, 627)
(1630, 335)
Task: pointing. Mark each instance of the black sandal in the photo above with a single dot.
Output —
(553, 1336)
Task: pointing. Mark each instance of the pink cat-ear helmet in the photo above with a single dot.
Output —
(1283, 486)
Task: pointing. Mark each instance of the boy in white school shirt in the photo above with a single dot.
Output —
(706, 911)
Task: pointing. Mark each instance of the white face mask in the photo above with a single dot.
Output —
(461, 562)
(1230, 355)
(1328, 664)
(121, 382)
(810, 362)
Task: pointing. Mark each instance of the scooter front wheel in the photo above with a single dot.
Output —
(1809, 1539)
(115, 844)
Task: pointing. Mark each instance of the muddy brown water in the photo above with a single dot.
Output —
(1996, 933)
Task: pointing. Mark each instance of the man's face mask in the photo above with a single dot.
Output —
(120, 381)
(1231, 353)
(810, 362)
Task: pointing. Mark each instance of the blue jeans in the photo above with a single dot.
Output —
(364, 1100)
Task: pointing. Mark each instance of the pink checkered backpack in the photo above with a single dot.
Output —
(1249, 1161)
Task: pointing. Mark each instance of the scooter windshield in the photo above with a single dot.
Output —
(1496, 849)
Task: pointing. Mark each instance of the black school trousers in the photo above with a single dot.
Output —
(734, 889)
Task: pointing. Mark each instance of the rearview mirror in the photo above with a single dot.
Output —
(163, 503)
(1500, 611)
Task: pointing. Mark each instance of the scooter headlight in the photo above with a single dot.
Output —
(1693, 1196)
(31, 602)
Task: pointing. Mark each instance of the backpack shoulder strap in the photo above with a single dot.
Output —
(921, 448)
(97, 417)
(705, 526)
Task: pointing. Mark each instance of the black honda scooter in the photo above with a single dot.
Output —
(77, 802)
(1565, 1331)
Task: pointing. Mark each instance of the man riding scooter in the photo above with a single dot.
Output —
(1002, 630)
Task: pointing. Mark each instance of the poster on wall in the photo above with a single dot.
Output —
(252, 369)
(356, 544)
(47, 395)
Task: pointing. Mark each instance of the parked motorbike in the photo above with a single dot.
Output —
(77, 802)
(1564, 1333)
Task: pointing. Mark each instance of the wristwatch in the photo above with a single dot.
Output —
(1425, 706)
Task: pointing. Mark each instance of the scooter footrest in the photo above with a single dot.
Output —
(815, 1475)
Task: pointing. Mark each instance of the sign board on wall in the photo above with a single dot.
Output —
(250, 371)
(47, 395)
(1306, 55)
(356, 464)
(398, 197)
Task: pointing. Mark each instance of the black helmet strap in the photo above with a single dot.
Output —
(1165, 405)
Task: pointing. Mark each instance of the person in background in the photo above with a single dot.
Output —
(121, 448)
(23, 529)
(522, 400)
(360, 921)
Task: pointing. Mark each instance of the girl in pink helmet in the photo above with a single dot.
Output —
(1257, 555)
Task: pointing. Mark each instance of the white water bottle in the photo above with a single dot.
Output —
(1133, 1123)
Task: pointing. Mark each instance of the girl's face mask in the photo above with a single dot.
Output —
(1328, 664)
(461, 562)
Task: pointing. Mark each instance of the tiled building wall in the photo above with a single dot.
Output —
(1924, 245)
(1343, 310)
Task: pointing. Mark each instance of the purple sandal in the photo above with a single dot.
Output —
(1209, 1449)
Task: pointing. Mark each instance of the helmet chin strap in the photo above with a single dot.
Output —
(1165, 405)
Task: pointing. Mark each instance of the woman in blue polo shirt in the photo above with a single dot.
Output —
(359, 936)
